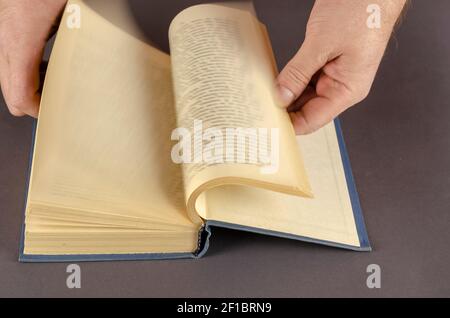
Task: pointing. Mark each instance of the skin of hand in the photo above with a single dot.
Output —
(25, 27)
(337, 62)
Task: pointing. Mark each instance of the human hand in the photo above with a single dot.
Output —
(337, 62)
(25, 26)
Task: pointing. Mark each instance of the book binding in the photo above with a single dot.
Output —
(206, 231)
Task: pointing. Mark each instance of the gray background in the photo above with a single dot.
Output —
(399, 145)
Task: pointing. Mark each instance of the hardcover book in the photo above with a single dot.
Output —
(109, 179)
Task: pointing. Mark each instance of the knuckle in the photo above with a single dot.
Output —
(17, 101)
(15, 112)
(15, 107)
(317, 50)
(362, 93)
(302, 123)
(355, 94)
(296, 75)
(19, 94)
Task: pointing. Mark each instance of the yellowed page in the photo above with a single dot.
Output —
(328, 216)
(114, 242)
(102, 150)
(224, 76)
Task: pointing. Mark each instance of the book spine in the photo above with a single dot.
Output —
(203, 241)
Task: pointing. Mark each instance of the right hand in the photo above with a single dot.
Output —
(335, 66)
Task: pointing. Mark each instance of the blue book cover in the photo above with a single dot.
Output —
(207, 230)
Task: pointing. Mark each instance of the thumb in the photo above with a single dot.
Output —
(297, 74)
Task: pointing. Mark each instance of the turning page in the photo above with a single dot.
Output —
(223, 76)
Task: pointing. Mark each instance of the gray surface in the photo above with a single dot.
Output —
(399, 146)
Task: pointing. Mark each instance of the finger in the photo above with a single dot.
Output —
(332, 98)
(308, 94)
(297, 74)
(21, 85)
(3, 81)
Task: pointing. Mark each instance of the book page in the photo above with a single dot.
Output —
(101, 167)
(224, 77)
(223, 74)
(327, 217)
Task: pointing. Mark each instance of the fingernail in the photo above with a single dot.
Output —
(285, 96)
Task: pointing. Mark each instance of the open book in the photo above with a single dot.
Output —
(106, 178)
